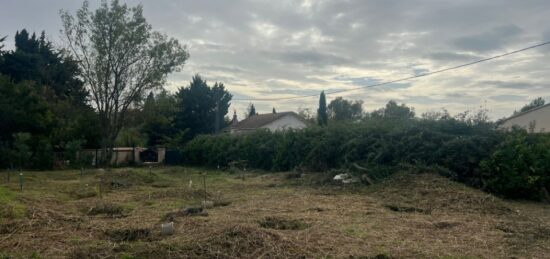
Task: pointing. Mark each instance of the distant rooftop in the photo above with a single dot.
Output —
(259, 120)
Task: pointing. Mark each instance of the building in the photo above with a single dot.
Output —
(271, 121)
(129, 155)
(534, 120)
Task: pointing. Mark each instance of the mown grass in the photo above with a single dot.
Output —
(412, 215)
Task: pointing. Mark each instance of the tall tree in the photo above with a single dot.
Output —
(158, 115)
(50, 80)
(121, 57)
(251, 110)
(341, 109)
(394, 111)
(199, 106)
(2, 44)
(322, 116)
(35, 59)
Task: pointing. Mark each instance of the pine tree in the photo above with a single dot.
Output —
(322, 116)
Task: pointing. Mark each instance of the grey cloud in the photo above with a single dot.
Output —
(509, 84)
(452, 56)
(487, 41)
(507, 97)
(309, 57)
(337, 45)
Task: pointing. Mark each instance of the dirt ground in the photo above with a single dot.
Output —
(64, 215)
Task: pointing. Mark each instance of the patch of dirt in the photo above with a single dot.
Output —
(283, 224)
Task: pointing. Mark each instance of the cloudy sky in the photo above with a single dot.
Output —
(283, 48)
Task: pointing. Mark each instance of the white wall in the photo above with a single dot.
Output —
(541, 118)
(286, 122)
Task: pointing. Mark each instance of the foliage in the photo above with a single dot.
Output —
(22, 109)
(376, 141)
(200, 107)
(394, 111)
(520, 166)
(41, 94)
(35, 59)
(322, 116)
(250, 110)
(533, 104)
(341, 109)
(22, 151)
(158, 114)
(121, 59)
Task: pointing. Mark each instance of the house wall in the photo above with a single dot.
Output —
(123, 156)
(286, 122)
(541, 118)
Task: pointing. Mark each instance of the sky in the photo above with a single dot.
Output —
(284, 48)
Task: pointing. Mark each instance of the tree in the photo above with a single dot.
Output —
(341, 109)
(121, 59)
(22, 109)
(35, 59)
(158, 115)
(394, 111)
(533, 104)
(251, 110)
(322, 117)
(2, 44)
(200, 106)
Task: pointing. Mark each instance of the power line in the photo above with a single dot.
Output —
(401, 79)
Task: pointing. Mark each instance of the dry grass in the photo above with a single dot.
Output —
(264, 216)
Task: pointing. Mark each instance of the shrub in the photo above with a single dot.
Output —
(520, 166)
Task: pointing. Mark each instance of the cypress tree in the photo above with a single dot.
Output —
(251, 110)
(322, 116)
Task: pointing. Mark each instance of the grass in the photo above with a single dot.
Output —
(61, 214)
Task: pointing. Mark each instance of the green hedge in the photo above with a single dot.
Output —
(459, 146)
(520, 167)
(514, 164)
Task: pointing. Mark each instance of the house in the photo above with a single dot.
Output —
(272, 121)
(534, 120)
(129, 155)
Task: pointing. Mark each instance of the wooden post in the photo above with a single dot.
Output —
(20, 181)
(204, 182)
(100, 182)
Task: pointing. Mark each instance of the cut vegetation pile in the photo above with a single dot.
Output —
(409, 215)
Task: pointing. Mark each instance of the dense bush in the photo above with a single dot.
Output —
(457, 145)
(520, 166)
(515, 164)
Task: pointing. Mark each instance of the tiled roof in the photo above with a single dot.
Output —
(259, 120)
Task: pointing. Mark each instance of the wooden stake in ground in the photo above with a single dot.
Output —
(99, 188)
(20, 180)
(204, 182)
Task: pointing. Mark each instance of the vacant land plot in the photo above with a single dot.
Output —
(64, 214)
